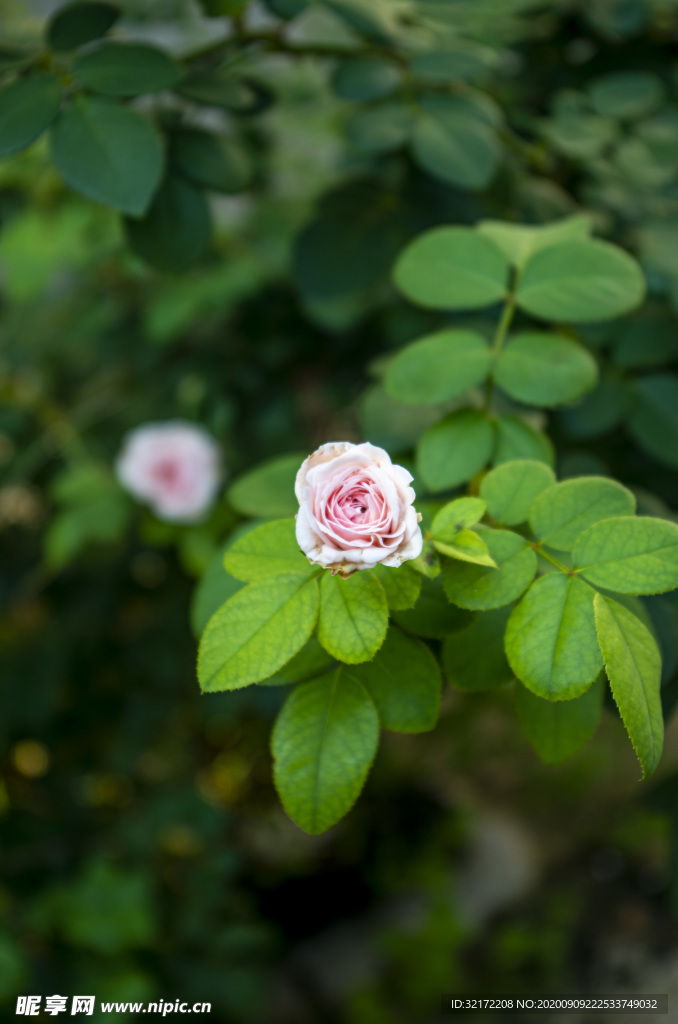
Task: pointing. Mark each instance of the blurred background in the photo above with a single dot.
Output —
(143, 850)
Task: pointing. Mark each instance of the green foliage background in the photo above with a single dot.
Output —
(143, 850)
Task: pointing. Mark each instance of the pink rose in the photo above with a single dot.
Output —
(355, 509)
(174, 467)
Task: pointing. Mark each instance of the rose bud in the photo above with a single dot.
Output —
(355, 509)
(174, 467)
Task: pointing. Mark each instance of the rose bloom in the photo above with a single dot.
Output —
(174, 467)
(355, 509)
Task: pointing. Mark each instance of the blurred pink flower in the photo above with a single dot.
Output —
(355, 509)
(174, 467)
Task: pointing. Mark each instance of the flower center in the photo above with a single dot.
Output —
(356, 505)
(166, 472)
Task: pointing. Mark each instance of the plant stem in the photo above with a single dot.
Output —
(550, 558)
(497, 343)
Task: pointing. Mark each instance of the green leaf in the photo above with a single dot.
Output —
(257, 631)
(323, 744)
(353, 616)
(579, 136)
(452, 268)
(214, 162)
(213, 590)
(556, 731)
(466, 546)
(631, 554)
(478, 588)
(626, 94)
(76, 24)
(404, 682)
(349, 247)
(463, 61)
(519, 241)
(563, 511)
(287, 8)
(268, 489)
(365, 78)
(474, 658)
(455, 449)
(438, 367)
(516, 439)
(368, 17)
(580, 282)
(176, 230)
(455, 516)
(126, 69)
(654, 419)
(600, 411)
(551, 638)
(545, 369)
(454, 144)
(220, 88)
(221, 8)
(510, 489)
(382, 128)
(432, 616)
(402, 586)
(394, 425)
(268, 550)
(633, 666)
(108, 153)
(27, 107)
(311, 661)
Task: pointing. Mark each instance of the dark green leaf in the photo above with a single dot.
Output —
(177, 228)
(79, 23)
(557, 730)
(27, 107)
(654, 419)
(432, 616)
(311, 661)
(214, 162)
(626, 94)
(381, 128)
(404, 682)
(126, 69)
(108, 153)
(365, 78)
(454, 145)
(474, 658)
